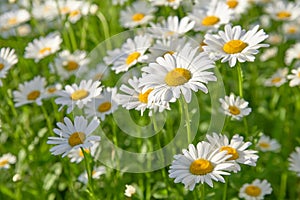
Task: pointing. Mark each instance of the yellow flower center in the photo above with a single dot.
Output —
(298, 72)
(234, 110)
(3, 162)
(143, 97)
(74, 13)
(81, 153)
(138, 17)
(264, 145)
(234, 46)
(79, 94)
(283, 15)
(178, 76)
(132, 57)
(232, 3)
(1, 66)
(201, 167)
(276, 80)
(169, 33)
(210, 20)
(71, 66)
(44, 50)
(76, 138)
(170, 1)
(64, 10)
(253, 190)
(230, 151)
(33, 95)
(292, 30)
(51, 90)
(12, 21)
(168, 52)
(104, 107)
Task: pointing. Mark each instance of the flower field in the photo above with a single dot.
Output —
(150, 99)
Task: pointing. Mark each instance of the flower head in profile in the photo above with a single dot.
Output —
(78, 95)
(6, 160)
(294, 161)
(129, 191)
(200, 164)
(43, 46)
(235, 44)
(293, 53)
(282, 10)
(236, 107)
(295, 76)
(257, 190)
(8, 58)
(176, 74)
(73, 136)
(265, 143)
(13, 18)
(236, 147)
(277, 79)
(96, 173)
(30, 92)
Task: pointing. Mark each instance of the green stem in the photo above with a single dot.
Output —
(282, 190)
(187, 118)
(105, 26)
(202, 192)
(225, 188)
(72, 36)
(89, 174)
(49, 124)
(240, 79)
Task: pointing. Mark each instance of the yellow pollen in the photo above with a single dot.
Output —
(253, 190)
(234, 46)
(3, 162)
(12, 21)
(234, 110)
(201, 167)
(210, 20)
(1, 66)
(143, 97)
(178, 76)
(230, 151)
(79, 94)
(264, 144)
(232, 3)
(76, 138)
(71, 66)
(138, 17)
(74, 13)
(283, 15)
(292, 30)
(51, 90)
(276, 80)
(132, 57)
(104, 107)
(44, 50)
(33, 95)
(81, 153)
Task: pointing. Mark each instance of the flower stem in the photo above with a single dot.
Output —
(283, 186)
(225, 189)
(202, 192)
(105, 26)
(72, 36)
(49, 124)
(240, 79)
(89, 174)
(187, 118)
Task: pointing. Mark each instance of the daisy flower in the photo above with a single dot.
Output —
(6, 160)
(282, 10)
(45, 11)
(8, 58)
(139, 13)
(102, 105)
(294, 161)
(210, 18)
(171, 3)
(199, 164)
(237, 7)
(13, 18)
(236, 147)
(277, 79)
(96, 173)
(73, 136)
(52, 90)
(78, 95)
(180, 73)
(101, 71)
(291, 30)
(294, 77)
(275, 38)
(42, 47)
(268, 53)
(265, 143)
(30, 92)
(235, 44)
(68, 64)
(76, 155)
(236, 107)
(131, 53)
(293, 53)
(257, 190)
(134, 98)
(172, 27)
(129, 191)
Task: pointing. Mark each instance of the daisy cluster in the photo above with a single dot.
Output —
(177, 49)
